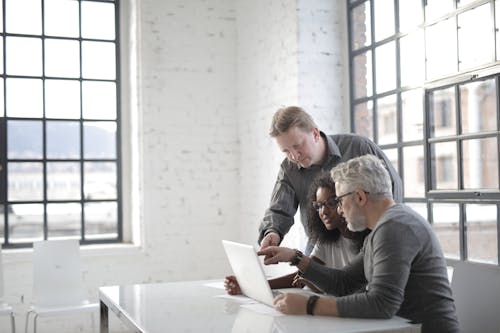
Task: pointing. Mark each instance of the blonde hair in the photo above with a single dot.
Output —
(288, 117)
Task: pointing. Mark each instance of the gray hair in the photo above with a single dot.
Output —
(367, 172)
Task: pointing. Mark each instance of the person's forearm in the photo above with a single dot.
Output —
(326, 306)
(282, 281)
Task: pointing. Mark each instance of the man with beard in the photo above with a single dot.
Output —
(401, 265)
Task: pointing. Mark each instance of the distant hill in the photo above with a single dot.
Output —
(63, 140)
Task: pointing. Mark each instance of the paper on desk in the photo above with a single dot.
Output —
(237, 298)
(216, 285)
(263, 309)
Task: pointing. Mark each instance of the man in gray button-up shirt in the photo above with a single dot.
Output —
(309, 152)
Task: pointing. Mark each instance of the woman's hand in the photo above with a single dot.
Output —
(231, 285)
(300, 282)
(276, 254)
(291, 303)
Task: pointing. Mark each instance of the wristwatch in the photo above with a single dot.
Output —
(297, 258)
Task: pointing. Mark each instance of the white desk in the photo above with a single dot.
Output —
(192, 307)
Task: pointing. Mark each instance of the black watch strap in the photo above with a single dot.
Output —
(297, 258)
(311, 302)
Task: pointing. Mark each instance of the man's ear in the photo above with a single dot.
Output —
(316, 134)
(361, 197)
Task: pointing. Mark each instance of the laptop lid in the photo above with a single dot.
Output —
(248, 271)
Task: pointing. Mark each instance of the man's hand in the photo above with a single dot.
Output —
(290, 303)
(276, 254)
(271, 239)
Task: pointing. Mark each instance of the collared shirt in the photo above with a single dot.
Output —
(293, 182)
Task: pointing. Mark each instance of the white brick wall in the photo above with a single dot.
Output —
(211, 73)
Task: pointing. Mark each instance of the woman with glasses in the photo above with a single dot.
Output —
(335, 245)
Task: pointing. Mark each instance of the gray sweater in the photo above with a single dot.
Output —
(401, 271)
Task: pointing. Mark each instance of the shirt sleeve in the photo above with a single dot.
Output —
(337, 282)
(393, 249)
(282, 208)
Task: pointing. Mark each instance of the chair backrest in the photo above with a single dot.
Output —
(57, 277)
(476, 290)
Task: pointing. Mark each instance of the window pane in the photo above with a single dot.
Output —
(444, 161)
(2, 100)
(24, 139)
(98, 60)
(363, 119)
(25, 223)
(387, 120)
(98, 20)
(362, 75)
(62, 58)
(63, 181)
(99, 100)
(414, 177)
(392, 155)
(412, 106)
(437, 8)
(482, 238)
(478, 106)
(99, 139)
(1, 53)
(410, 15)
(25, 181)
(443, 113)
(101, 220)
(412, 59)
(64, 220)
(24, 17)
(441, 49)
(384, 19)
(361, 25)
(24, 98)
(61, 18)
(1, 16)
(420, 208)
(386, 67)
(100, 180)
(497, 27)
(24, 56)
(63, 139)
(446, 227)
(475, 37)
(480, 163)
(62, 99)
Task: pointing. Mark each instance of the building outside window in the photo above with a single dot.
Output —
(59, 121)
(425, 85)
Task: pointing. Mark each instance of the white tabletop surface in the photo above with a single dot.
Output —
(195, 307)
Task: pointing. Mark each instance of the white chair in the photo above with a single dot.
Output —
(5, 309)
(476, 290)
(57, 281)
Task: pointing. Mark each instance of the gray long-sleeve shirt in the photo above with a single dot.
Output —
(293, 182)
(405, 274)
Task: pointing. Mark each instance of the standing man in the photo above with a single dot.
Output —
(309, 152)
(401, 267)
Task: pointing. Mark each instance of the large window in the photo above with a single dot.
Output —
(425, 86)
(59, 121)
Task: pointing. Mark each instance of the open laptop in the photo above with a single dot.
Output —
(248, 271)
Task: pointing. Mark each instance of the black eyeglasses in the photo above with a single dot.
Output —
(330, 202)
(339, 198)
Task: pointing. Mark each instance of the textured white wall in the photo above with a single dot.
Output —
(210, 74)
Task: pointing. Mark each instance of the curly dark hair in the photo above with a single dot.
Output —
(316, 230)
